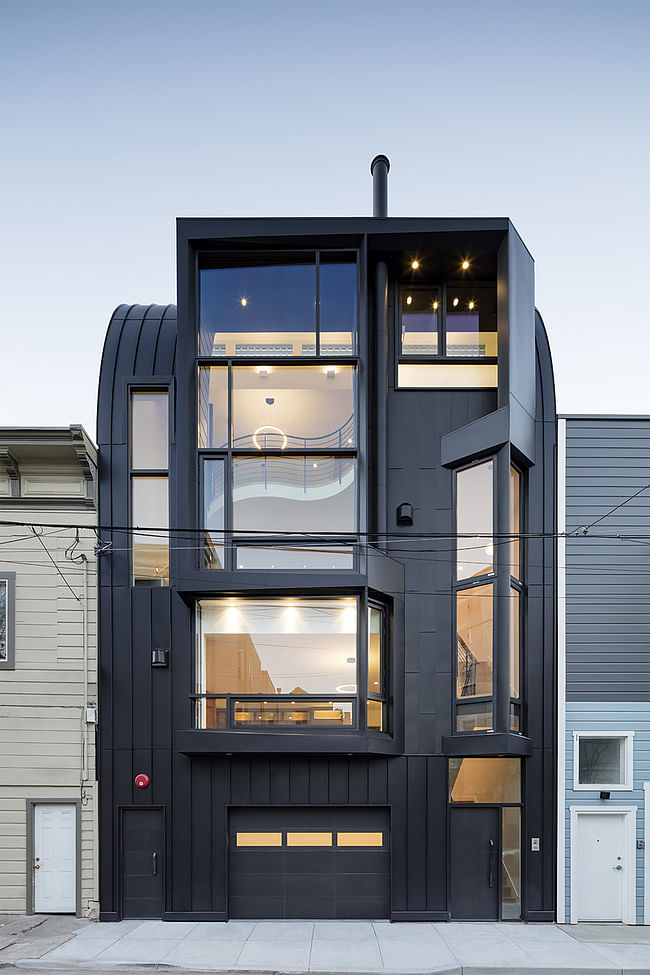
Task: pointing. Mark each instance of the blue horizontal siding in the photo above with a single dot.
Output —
(607, 579)
(609, 716)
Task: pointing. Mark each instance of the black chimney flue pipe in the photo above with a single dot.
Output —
(379, 170)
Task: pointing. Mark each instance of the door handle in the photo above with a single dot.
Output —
(491, 866)
(154, 864)
(37, 865)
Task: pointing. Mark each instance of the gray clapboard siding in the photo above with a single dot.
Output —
(607, 579)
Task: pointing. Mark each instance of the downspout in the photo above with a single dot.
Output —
(379, 168)
(84, 716)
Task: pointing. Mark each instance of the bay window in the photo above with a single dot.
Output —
(282, 661)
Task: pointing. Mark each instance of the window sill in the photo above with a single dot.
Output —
(195, 742)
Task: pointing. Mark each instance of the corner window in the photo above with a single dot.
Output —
(453, 325)
(302, 304)
(603, 760)
(149, 481)
(287, 662)
(7, 620)
(475, 615)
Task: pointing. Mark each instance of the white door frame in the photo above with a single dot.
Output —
(646, 853)
(629, 840)
(31, 813)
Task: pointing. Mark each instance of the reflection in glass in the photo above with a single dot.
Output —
(375, 715)
(150, 509)
(431, 375)
(485, 780)
(277, 646)
(474, 513)
(515, 522)
(510, 864)
(290, 407)
(211, 713)
(213, 406)
(291, 714)
(471, 322)
(474, 717)
(515, 717)
(514, 642)
(294, 494)
(317, 555)
(419, 321)
(259, 309)
(213, 513)
(474, 626)
(601, 761)
(149, 431)
(337, 288)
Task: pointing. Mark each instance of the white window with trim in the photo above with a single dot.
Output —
(603, 761)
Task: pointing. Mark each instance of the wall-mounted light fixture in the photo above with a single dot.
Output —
(405, 514)
(159, 658)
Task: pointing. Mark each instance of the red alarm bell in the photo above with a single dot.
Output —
(142, 780)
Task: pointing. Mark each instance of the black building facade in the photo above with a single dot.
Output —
(327, 593)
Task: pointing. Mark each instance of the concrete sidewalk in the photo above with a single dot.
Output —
(329, 947)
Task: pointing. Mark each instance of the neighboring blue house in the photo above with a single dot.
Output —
(604, 669)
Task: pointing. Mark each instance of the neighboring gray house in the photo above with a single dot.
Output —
(48, 672)
(604, 669)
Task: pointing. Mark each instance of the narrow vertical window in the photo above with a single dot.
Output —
(376, 713)
(516, 597)
(475, 611)
(149, 476)
(7, 603)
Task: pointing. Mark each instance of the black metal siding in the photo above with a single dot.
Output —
(607, 579)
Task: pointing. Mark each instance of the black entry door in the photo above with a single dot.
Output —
(143, 847)
(474, 864)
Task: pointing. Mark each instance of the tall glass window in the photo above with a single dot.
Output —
(149, 453)
(420, 321)
(376, 707)
(516, 596)
(475, 617)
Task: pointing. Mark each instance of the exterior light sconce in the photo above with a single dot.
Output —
(159, 658)
(405, 514)
(605, 795)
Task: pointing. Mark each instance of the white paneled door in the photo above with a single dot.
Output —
(602, 866)
(55, 848)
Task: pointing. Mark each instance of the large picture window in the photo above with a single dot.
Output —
(287, 662)
(278, 447)
(302, 304)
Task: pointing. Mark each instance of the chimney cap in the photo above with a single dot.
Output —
(378, 159)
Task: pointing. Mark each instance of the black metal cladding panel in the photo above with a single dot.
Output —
(140, 340)
(607, 579)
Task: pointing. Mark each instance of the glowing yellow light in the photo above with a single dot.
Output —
(263, 371)
(270, 429)
(471, 305)
(330, 372)
(465, 265)
(314, 465)
(244, 302)
(349, 439)
(435, 306)
(415, 265)
(455, 302)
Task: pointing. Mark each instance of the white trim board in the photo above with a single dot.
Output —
(646, 854)
(629, 814)
(561, 670)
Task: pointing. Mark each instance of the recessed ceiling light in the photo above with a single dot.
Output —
(409, 300)
(455, 302)
(435, 306)
(244, 302)
(415, 265)
(471, 305)
(465, 265)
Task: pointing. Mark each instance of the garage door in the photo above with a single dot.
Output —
(308, 863)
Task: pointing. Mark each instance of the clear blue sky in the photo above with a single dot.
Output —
(119, 116)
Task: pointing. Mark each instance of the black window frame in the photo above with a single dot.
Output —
(230, 453)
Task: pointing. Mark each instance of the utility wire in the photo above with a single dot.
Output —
(49, 555)
(608, 513)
